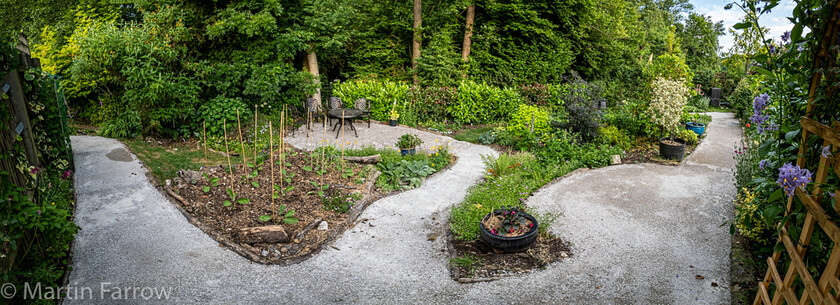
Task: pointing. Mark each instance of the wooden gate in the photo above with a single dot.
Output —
(798, 286)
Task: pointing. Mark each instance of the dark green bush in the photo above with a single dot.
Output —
(220, 109)
(582, 102)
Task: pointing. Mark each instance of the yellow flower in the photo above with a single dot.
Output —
(53, 203)
(435, 154)
(477, 206)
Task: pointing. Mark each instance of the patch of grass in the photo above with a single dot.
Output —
(467, 261)
(164, 162)
(471, 134)
(509, 187)
(718, 109)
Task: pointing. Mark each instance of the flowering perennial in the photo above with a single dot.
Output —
(791, 177)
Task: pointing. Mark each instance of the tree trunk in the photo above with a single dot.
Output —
(311, 64)
(415, 50)
(465, 51)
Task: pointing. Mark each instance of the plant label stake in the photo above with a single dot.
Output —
(241, 141)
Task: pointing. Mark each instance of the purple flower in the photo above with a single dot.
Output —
(800, 49)
(826, 151)
(39, 212)
(759, 118)
(34, 170)
(761, 164)
(66, 174)
(786, 36)
(791, 177)
(772, 49)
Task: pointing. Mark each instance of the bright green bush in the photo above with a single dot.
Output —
(382, 96)
(611, 135)
(520, 122)
(671, 67)
(480, 103)
(139, 69)
(689, 136)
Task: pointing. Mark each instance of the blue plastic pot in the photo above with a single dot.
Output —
(696, 128)
(407, 151)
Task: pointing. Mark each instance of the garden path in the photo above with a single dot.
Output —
(133, 237)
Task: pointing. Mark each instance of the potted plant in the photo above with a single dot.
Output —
(393, 116)
(697, 128)
(408, 143)
(509, 229)
(667, 102)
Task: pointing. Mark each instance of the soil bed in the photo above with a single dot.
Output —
(474, 261)
(340, 182)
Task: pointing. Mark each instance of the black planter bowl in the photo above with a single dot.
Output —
(392, 123)
(510, 244)
(673, 152)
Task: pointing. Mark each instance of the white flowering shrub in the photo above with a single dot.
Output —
(667, 102)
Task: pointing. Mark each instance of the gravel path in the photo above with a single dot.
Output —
(634, 228)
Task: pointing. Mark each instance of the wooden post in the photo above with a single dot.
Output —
(241, 142)
(21, 112)
(271, 160)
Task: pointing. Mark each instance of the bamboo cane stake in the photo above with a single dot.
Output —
(227, 153)
(282, 140)
(204, 134)
(324, 149)
(256, 114)
(241, 141)
(342, 141)
(271, 160)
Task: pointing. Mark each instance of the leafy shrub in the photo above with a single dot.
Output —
(742, 96)
(671, 67)
(505, 164)
(487, 138)
(689, 136)
(528, 119)
(403, 174)
(480, 103)
(219, 109)
(408, 141)
(126, 125)
(382, 96)
(704, 119)
(667, 102)
(582, 102)
(631, 116)
(432, 103)
(611, 135)
(748, 218)
(700, 102)
(142, 70)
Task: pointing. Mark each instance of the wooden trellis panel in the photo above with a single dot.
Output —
(826, 290)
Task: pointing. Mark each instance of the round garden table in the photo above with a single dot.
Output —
(344, 115)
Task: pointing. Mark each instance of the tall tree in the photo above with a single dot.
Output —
(415, 49)
(700, 40)
(468, 31)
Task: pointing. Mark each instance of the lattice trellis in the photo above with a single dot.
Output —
(826, 290)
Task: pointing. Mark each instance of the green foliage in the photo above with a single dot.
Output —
(339, 203)
(631, 116)
(433, 103)
(528, 119)
(383, 96)
(689, 136)
(669, 67)
(666, 105)
(699, 40)
(408, 141)
(742, 96)
(480, 103)
(505, 164)
(582, 103)
(611, 135)
(700, 102)
(561, 148)
(220, 111)
(402, 175)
